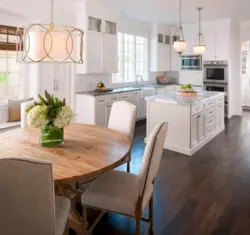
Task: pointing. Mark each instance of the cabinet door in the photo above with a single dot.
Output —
(134, 99)
(93, 48)
(171, 88)
(100, 116)
(222, 37)
(110, 54)
(209, 38)
(107, 114)
(219, 115)
(142, 110)
(197, 129)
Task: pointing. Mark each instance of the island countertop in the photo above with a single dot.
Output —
(173, 98)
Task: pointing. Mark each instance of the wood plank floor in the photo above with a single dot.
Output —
(206, 194)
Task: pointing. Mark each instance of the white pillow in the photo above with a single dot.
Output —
(4, 112)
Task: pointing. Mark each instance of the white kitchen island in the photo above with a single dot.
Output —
(193, 121)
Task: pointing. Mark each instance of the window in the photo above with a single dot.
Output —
(10, 79)
(132, 58)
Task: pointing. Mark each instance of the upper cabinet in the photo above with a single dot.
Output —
(160, 47)
(217, 39)
(100, 39)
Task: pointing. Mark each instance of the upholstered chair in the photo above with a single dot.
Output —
(24, 114)
(125, 193)
(123, 118)
(28, 204)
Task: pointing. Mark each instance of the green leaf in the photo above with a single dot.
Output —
(42, 99)
(29, 108)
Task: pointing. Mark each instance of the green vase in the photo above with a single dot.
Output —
(51, 136)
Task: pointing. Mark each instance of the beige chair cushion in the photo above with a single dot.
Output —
(62, 207)
(114, 191)
(123, 117)
(14, 107)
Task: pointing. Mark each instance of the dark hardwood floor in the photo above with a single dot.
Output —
(206, 194)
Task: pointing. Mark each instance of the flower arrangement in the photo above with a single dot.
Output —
(51, 115)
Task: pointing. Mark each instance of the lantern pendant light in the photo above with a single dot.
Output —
(200, 46)
(50, 43)
(179, 44)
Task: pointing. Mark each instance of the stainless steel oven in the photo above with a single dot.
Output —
(191, 62)
(215, 71)
(218, 88)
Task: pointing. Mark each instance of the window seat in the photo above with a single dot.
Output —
(9, 125)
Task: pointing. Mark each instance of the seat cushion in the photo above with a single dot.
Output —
(114, 191)
(62, 207)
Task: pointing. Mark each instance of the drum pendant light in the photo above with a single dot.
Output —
(50, 43)
(200, 46)
(179, 44)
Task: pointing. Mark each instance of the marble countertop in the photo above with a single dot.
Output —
(173, 98)
(125, 89)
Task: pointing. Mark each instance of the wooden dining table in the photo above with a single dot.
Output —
(87, 152)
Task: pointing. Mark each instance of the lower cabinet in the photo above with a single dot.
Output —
(102, 115)
(197, 125)
(219, 115)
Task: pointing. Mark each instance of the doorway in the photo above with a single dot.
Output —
(245, 74)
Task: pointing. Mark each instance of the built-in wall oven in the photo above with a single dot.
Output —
(215, 72)
(191, 62)
(218, 88)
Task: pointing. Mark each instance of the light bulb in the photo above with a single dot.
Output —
(180, 46)
(199, 49)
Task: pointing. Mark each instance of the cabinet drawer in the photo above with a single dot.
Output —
(209, 120)
(209, 112)
(219, 100)
(197, 108)
(209, 129)
(100, 100)
(125, 96)
(209, 103)
(113, 98)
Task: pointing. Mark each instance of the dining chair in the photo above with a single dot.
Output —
(24, 114)
(28, 205)
(125, 193)
(123, 118)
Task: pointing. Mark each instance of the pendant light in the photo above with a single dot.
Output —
(179, 44)
(200, 46)
(50, 43)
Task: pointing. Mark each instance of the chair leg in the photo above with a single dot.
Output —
(66, 231)
(128, 166)
(138, 226)
(85, 221)
(151, 215)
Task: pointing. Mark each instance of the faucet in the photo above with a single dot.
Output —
(137, 81)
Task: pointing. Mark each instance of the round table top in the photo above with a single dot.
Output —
(88, 150)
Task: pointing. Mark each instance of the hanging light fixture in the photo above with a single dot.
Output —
(200, 46)
(179, 44)
(50, 43)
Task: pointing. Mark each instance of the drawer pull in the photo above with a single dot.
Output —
(125, 97)
(211, 112)
(210, 121)
(210, 130)
(114, 99)
(100, 101)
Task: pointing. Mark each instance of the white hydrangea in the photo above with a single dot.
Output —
(37, 117)
(64, 117)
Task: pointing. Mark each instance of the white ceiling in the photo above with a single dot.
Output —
(164, 11)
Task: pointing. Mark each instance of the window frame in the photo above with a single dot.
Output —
(121, 59)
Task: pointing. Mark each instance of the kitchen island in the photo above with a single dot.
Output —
(193, 121)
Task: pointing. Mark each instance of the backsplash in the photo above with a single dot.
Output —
(88, 82)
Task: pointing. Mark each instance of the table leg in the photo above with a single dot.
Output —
(76, 220)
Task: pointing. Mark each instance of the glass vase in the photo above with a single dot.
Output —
(51, 136)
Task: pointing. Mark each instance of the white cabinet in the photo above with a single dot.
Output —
(93, 60)
(197, 131)
(110, 54)
(100, 38)
(219, 115)
(217, 38)
(170, 88)
(160, 48)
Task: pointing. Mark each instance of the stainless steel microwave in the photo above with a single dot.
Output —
(191, 62)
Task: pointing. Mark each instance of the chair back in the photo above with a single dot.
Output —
(27, 204)
(123, 117)
(24, 114)
(151, 161)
